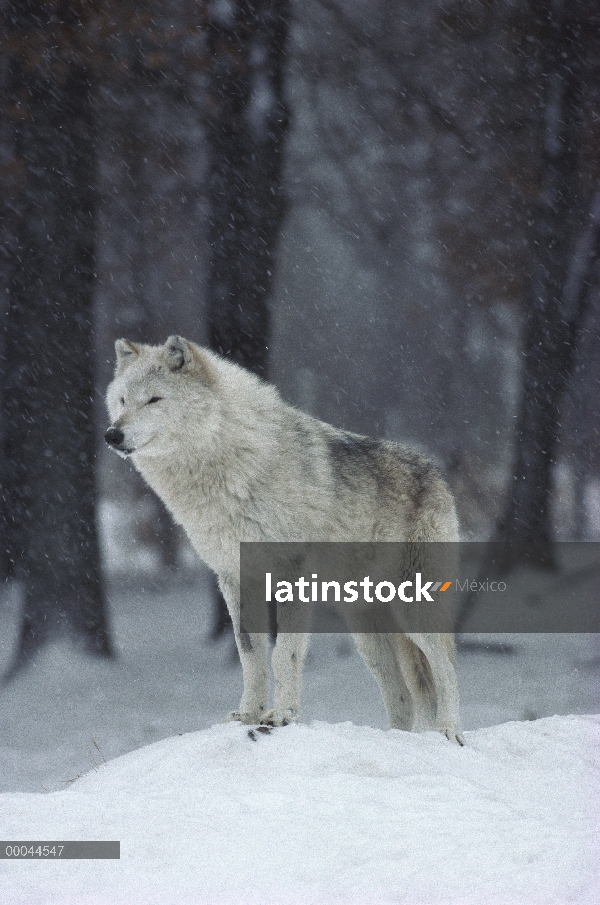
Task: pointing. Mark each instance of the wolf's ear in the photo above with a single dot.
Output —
(126, 354)
(178, 353)
(181, 355)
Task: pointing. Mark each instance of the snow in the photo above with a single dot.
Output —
(323, 812)
(326, 813)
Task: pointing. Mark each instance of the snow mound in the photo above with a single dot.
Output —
(324, 814)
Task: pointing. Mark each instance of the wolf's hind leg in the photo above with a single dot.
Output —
(418, 682)
(435, 648)
(379, 653)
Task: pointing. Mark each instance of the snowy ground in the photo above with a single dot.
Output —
(316, 813)
(326, 814)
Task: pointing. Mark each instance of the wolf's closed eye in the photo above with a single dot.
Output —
(154, 399)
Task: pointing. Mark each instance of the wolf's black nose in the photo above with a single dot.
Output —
(114, 437)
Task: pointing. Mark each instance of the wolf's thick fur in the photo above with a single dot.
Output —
(234, 463)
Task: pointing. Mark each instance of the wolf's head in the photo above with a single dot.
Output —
(156, 391)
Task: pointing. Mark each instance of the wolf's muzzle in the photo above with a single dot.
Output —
(114, 437)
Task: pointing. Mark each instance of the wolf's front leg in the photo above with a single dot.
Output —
(253, 650)
(288, 662)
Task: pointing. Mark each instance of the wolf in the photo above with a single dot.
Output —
(233, 462)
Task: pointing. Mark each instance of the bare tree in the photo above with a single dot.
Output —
(560, 272)
(246, 129)
(49, 494)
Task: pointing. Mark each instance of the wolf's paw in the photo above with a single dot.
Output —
(453, 735)
(248, 717)
(279, 717)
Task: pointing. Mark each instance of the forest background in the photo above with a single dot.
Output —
(391, 210)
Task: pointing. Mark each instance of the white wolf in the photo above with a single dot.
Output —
(234, 463)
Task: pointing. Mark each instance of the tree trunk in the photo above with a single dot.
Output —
(247, 126)
(562, 270)
(49, 375)
(550, 330)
